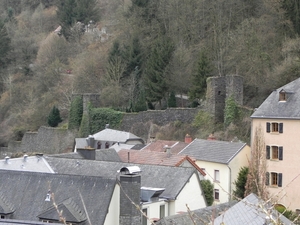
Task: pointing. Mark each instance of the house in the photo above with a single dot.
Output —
(221, 161)
(250, 210)
(253, 211)
(202, 216)
(159, 190)
(177, 182)
(278, 117)
(107, 138)
(30, 196)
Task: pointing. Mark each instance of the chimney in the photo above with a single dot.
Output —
(90, 141)
(130, 184)
(188, 139)
(168, 150)
(87, 153)
(211, 137)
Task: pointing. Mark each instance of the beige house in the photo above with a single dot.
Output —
(279, 118)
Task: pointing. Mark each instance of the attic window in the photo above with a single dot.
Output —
(282, 96)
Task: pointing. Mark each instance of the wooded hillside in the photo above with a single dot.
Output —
(138, 53)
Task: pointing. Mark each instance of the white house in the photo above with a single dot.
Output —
(221, 161)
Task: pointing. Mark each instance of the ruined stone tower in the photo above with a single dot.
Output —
(220, 88)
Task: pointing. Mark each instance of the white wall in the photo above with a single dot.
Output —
(190, 195)
(113, 214)
(153, 209)
(224, 182)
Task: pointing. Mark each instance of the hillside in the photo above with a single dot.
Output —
(137, 54)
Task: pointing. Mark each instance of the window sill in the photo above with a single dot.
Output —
(216, 181)
(274, 160)
(273, 186)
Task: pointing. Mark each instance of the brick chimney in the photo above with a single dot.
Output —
(130, 182)
(211, 137)
(188, 139)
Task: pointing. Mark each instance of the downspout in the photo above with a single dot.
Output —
(229, 188)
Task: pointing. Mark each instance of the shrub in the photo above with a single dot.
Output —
(231, 111)
(208, 189)
(99, 117)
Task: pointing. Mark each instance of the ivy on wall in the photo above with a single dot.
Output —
(76, 111)
(231, 111)
(99, 117)
(84, 129)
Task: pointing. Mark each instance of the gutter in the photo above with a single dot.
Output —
(229, 187)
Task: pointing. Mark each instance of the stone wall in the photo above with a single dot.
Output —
(159, 117)
(46, 140)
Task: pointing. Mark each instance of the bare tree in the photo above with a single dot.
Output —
(256, 181)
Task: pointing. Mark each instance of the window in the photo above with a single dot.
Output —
(2, 217)
(274, 179)
(144, 217)
(282, 96)
(217, 176)
(217, 194)
(162, 211)
(274, 127)
(274, 152)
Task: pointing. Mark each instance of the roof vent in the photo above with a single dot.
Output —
(106, 126)
(25, 158)
(6, 159)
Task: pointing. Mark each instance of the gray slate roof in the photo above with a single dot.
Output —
(212, 150)
(249, 211)
(172, 179)
(273, 108)
(32, 163)
(200, 216)
(27, 191)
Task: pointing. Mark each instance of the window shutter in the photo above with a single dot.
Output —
(280, 154)
(268, 152)
(279, 179)
(268, 127)
(267, 178)
(280, 127)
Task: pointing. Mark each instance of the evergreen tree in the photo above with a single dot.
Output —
(156, 69)
(240, 183)
(202, 72)
(292, 8)
(73, 11)
(4, 45)
(172, 100)
(133, 57)
(54, 117)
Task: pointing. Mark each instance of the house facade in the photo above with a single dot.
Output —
(221, 161)
(278, 117)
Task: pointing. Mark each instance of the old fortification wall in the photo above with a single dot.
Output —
(49, 140)
(46, 140)
(54, 140)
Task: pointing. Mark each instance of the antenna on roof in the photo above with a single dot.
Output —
(48, 196)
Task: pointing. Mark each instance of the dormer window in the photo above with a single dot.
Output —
(282, 96)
